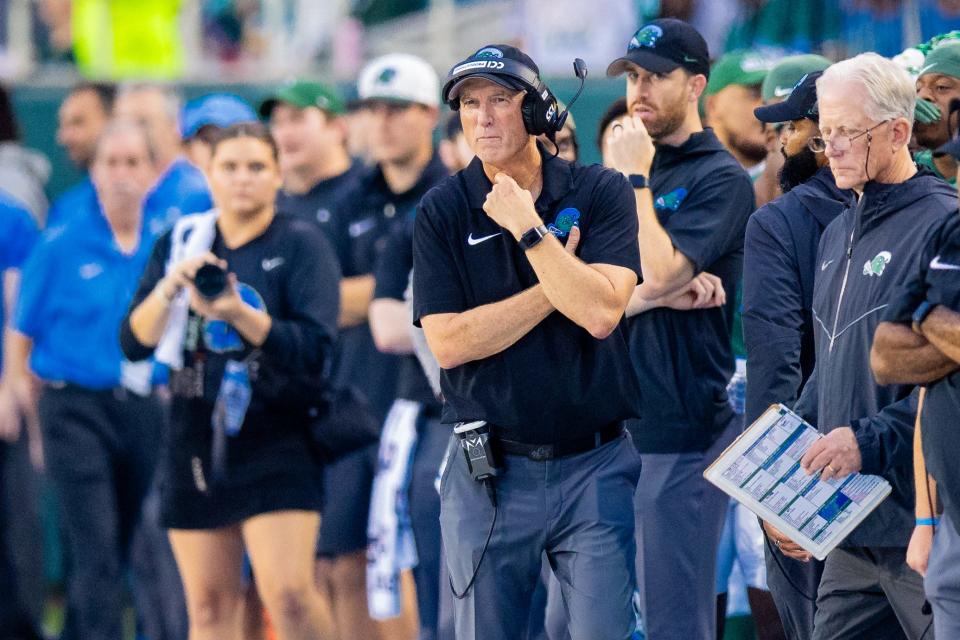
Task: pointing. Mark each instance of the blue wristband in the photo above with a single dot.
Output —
(928, 522)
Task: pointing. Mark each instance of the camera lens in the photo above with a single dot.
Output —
(210, 280)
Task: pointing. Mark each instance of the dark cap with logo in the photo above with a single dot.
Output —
(800, 104)
(664, 45)
(488, 63)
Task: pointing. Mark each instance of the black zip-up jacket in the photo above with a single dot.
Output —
(779, 267)
(864, 253)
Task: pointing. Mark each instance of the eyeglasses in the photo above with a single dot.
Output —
(841, 142)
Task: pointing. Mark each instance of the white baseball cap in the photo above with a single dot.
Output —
(399, 77)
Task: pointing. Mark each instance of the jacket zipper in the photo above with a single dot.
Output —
(843, 286)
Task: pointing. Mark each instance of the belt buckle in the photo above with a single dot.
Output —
(541, 453)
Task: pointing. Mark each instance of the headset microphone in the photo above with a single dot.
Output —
(580, 69)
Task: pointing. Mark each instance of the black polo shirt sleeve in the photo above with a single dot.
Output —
(710, 221)
(436, 274)
(612, 235)
(392, 272)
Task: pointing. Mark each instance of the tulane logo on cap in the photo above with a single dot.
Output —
(489, 52)
(645, 37)
(386, 75)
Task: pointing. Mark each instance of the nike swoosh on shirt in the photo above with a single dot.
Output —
(475, 241)
(945, 266)
(269, 264)
(782, 92)
(825, 264)
(360, 227)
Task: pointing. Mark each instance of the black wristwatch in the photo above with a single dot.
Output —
(533, 237)
(921, 313)
(638, 181)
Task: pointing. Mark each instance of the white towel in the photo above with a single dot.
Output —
(391, 547)
(191, 236)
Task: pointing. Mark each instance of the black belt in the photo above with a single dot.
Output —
(563, 448)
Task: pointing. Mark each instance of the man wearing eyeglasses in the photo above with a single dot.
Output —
(779, 267)
(866, 107)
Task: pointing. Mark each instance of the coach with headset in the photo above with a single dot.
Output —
(536, 376)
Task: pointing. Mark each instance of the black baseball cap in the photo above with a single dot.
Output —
(500, 63)
(664, 45)
(800, 104)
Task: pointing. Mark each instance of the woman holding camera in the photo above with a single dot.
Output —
(242, 303)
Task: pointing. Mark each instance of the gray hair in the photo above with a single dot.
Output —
(172, 100)
(890, 93)
(122, 126)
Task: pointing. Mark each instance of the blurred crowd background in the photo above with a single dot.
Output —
(247, 46)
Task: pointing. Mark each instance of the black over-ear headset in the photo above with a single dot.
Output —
(540, 110)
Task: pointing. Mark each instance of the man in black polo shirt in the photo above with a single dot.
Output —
(399, 94)
(692, 200)
(414, 418)
(318, 173)
(918, 343)
(532, 346)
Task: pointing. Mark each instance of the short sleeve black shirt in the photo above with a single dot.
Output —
(393, 278)
(684, 359)
(374, 213)
(325, 205)
(938, 280)
(557, 382)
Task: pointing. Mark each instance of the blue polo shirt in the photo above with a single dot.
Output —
(181, 190)
(557, 382)
(76, 287)
(684, 359)
(74, 200)
(18, 234)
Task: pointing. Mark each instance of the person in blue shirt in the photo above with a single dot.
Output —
(18, 234)
(202, 119)
(100, 424)
(181, 188)
(82, 116)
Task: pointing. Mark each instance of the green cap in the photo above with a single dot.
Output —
(944, 60)
(747, 68)
(788, 72)
(302, 94)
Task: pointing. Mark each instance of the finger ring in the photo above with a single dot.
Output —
(777, 542)
(832, 468)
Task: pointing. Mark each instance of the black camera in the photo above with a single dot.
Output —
(210, 280)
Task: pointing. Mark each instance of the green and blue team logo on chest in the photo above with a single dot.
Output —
(877, 266)
(670, 201)
(565, 220)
